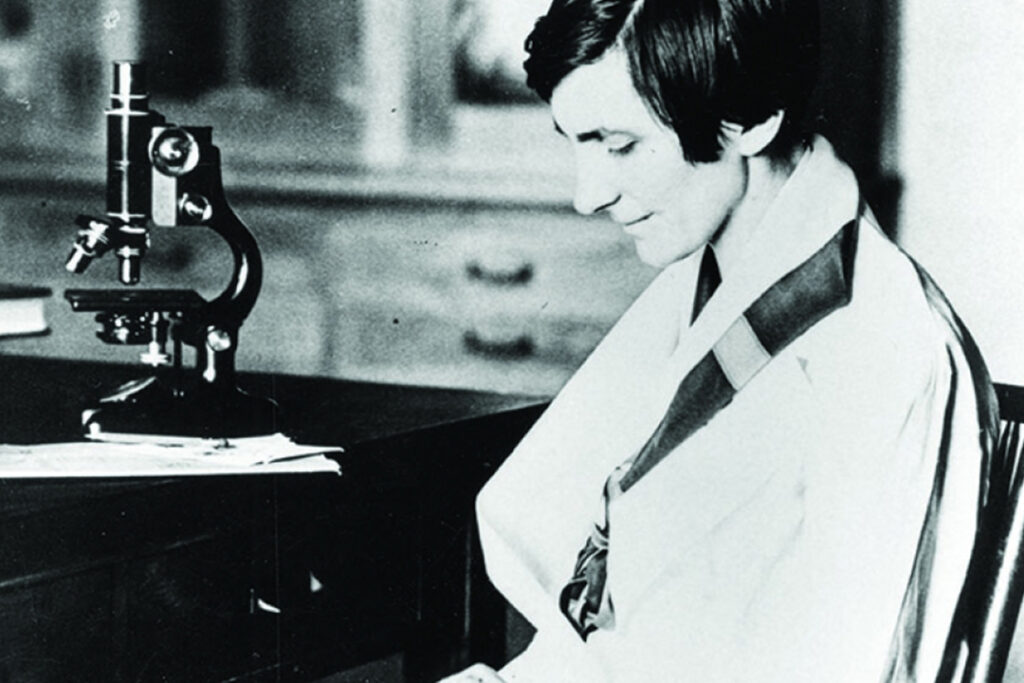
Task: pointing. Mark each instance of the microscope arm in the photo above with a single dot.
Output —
(233, 305)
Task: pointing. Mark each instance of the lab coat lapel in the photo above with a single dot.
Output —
(541, 502)
(781, 314)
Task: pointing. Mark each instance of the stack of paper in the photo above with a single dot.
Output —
(130, 455)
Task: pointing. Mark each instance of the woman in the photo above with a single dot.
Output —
(768, 470)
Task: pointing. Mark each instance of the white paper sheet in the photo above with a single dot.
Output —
(129, 455)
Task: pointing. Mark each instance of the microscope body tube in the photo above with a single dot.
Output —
(128, 130)
(129, 122)
(124, 231)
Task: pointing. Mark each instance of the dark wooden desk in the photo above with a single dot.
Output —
(281, 578)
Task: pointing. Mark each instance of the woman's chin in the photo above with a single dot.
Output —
(654, 255)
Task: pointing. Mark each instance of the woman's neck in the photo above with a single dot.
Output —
(765, 178)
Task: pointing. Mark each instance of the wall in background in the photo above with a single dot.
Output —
(961, 154)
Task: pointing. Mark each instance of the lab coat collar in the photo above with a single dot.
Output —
(820, 196)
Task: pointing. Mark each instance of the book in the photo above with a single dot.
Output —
(22, 310)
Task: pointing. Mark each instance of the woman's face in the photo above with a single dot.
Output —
(631, 166)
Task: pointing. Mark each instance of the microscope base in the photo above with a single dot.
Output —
(156, 406)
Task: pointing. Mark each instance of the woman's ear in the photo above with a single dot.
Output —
(753, 140)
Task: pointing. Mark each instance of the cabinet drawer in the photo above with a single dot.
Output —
(501, 299)
(60, 631)
(196, 600)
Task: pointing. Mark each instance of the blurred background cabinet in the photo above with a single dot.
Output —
(509, 299)
(410, 196)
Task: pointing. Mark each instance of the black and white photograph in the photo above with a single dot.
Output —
(511, 341)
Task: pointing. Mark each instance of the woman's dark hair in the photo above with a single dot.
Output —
(696, 63)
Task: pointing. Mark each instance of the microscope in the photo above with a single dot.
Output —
(161, 175)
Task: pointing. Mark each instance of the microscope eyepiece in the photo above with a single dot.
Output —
(129, 82)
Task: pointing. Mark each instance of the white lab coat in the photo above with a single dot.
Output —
(778, 542)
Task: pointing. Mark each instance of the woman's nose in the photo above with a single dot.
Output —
(595, 189)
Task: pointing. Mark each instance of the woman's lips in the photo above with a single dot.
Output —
(631, 227)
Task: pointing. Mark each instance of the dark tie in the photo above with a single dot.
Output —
(708, 279)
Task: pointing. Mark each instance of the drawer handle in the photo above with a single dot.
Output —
(265, 606)
(257, 603)
(514, 275)
(518, 347)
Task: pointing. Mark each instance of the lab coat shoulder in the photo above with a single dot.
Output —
(896, 349)
(790, 524)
